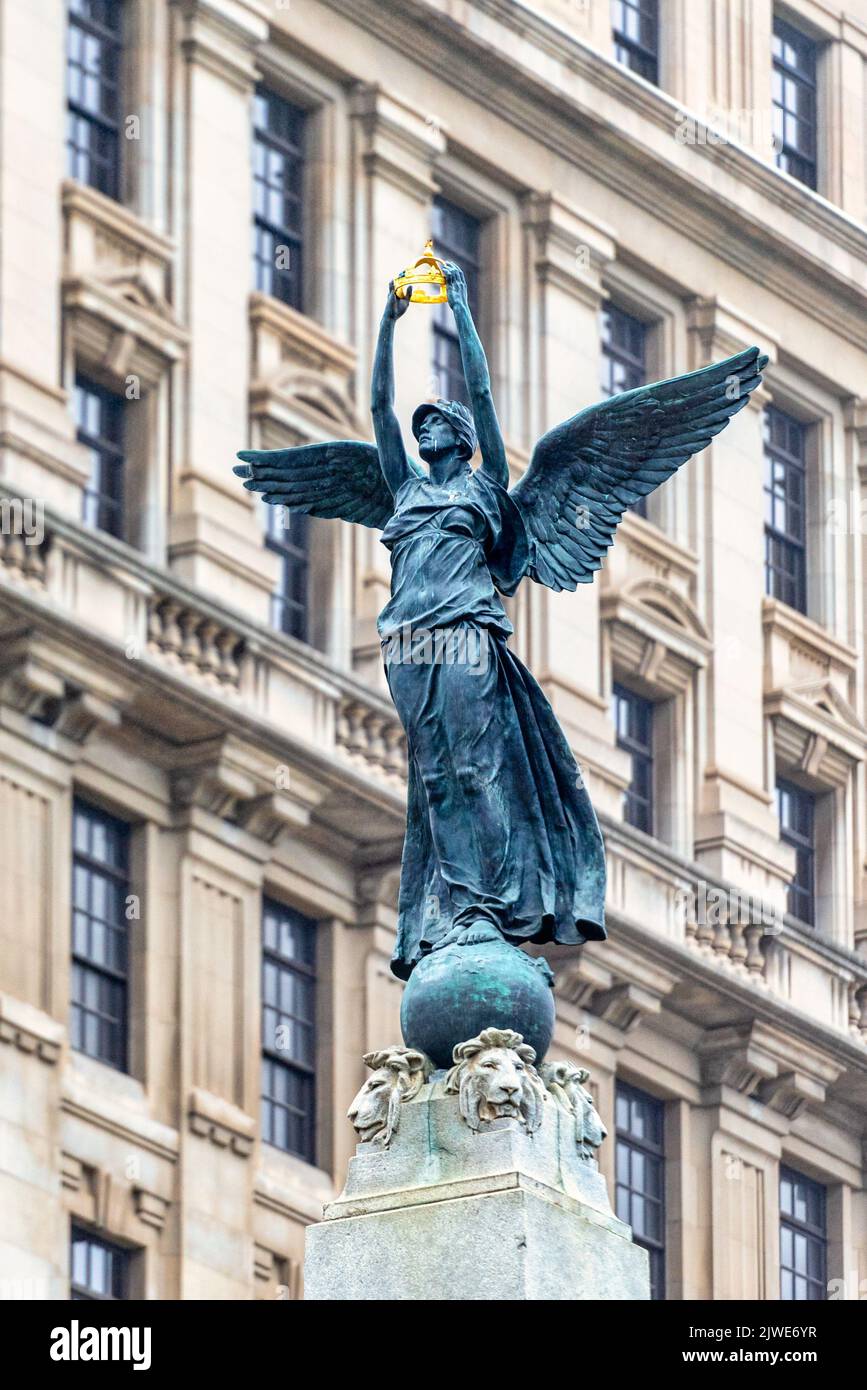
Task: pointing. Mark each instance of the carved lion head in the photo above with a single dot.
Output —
(565, 1082)
(398, 1074)
(496, 1079)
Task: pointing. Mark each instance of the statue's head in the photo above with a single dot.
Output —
(398, 1074)
(442, 426)
(496, 1079)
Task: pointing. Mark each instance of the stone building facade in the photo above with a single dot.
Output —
(202, 780)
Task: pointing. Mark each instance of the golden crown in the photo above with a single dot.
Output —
(426, 272)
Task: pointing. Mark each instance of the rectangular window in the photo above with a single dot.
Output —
(803, 1238)
(99, 415)
(635, 26)
(640, 1179)
(98, 1269)
(786, 509)
(623, 361)
(288, 1030)
(279, 131)
(288, 536)
(100, 945)
(633, 720)
(457, 237)
(795, 104)
(93, 117)
(797, 812)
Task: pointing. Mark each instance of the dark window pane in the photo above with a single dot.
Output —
(794, 96)
(803, 1238)
(623, 361)
(99, 415)
(288, 1030)
(457, 237)
(98, 1269)
(279, 131)
(640, 1170)
(796, 809)
(635, 28)
(93, 62)
(100, 886)
(288, 535)
(633, 720)
(785, 457)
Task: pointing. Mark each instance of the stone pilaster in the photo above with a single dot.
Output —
(567, 254)
(38, 449)
(215, 536)
(227, 820)
(737, 834)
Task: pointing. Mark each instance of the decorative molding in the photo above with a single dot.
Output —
(222, 36)
(150, 1207)
(397, 143)
(656, 632)
(572, 250)
(224, 1124)
(33, 682)
(816, 731)
(30, 1030)
(233, 780)
(769, 1066)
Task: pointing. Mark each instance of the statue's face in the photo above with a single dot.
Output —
(436, 437)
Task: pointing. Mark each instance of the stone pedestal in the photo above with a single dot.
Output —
(458, 1208)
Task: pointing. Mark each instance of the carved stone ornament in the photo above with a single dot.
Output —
(565, 1083)
(398, 1074)
(495, 1078)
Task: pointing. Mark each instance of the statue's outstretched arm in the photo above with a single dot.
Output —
(477, 377)
(389, 440)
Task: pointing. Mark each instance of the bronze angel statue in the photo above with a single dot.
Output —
(500, 832)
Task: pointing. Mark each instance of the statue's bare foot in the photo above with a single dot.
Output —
(472, 935)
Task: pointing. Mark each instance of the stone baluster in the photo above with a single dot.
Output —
(755, 960)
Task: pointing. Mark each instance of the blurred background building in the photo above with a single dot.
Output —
(201, 789)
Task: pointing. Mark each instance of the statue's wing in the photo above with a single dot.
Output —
(339, 479)
(586, 472)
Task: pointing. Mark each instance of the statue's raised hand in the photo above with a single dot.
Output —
(456, 283)
(395, 308)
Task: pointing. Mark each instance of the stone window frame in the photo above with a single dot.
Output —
(826, 477)
(280, 885)
(819, 1234)
(85, 1292)
(801, 752)
(655, 56)
(654, 643)
(823, 30)
(308, 89)
(291, 1063)
(141, 859)
(122, 334)
(633, 290)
